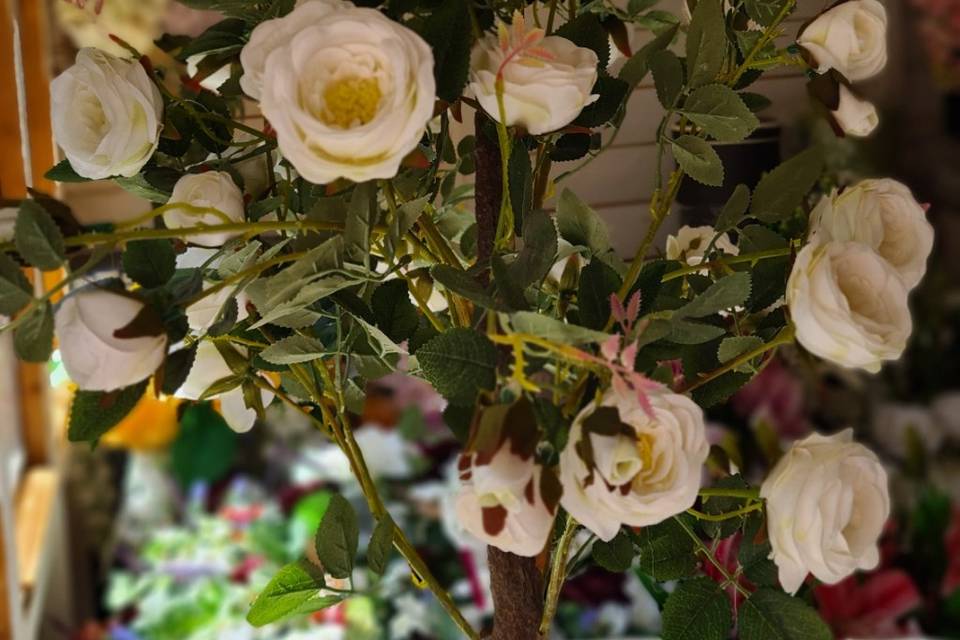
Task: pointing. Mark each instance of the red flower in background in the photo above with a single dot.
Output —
(869, 607)
(951, 580)
(778, 396)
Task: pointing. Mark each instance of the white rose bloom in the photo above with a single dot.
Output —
(93, 357)
(106, 115)
(851, 37)
(690, 244)
(274, 34)
(500, 503)
(349, 96)
(202, 313)
(210, 190)
(209, 367)
(827, 503)
(855, 116)
(884, 215)
(896, 426)
(640, 478)
(946, 411)
(848, 304)
(8, 219)
(540, 95)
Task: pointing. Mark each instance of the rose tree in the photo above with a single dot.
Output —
(346, 239)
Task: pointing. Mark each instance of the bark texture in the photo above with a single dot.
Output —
(517, 586)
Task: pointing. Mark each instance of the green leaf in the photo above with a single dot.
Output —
(539, 251)
(33, 338)
(735, 346)
(294, 349)
(226, 36)
(764, 12)
(615, 555)
(697, 610)
(720, 111)
(459, 363)
(37, 238)
(521, 184)
(586, 31)
(612, 92)
(698, 159)
(150, 263)
(395, 315)
(93, 413)
(667, 77)
(580, 225)
(381, 543)
(686, 332)
(175, 370)
(781, 191)
(734, 210)
(446, 31)
(769, 614)
(720, 389)
(635, 69)
(205, 448)
(361, 218)
(706, 43)
(553, 329)
(63, 172)
(597, 282)
(463, 284)
(757, 565)
(726, 293)
(337, 538)
(291, 588)
(716, 505)
(15, 289)
(666, 551)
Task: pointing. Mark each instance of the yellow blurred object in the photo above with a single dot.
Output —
(137, 22)
(150, 426)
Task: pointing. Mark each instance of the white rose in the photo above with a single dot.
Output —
(946, 411)
(542, 94)
(854, 116)
(274, 34)
(848, 304)
(93, 357)
(690, 244)
(883, 215)
(210, 190)
(897, 426)
(8, 219)
(202, 313)
(827, 503)
(106, 115)
(851, 37)
(209, 367)
(641, 476)
(500, 503)
(349, 96)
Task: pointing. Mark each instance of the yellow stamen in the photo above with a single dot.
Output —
(351, 102)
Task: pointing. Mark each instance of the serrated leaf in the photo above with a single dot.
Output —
(15, 289)
(769, 614)
(720, 389)
(734, 210)
(521, 184)
(698, 609)
(381, 543)
(63, 171)
(686, 332)
(666, 551)
(37, 238)
(764, 12)
(459, 363)
(635, 69)
(667, 77)
(726, 293)
(706, 43)
(553, 329)
(235, 262)
(716, 505)
(93, 413)
(294, 349)
(150, 263)
(586, 31)
(781, 191)
(394, 313)
(580, 225)
(539, 251)
(612, 92)
(338, 537)
(735, 346)
(33, 337)
(176, 368)
(615, 555)
(720, 111)
(463, 284)
(445, 31)
(698, 160)
(289, 590)
(597, 282)
(757, 565)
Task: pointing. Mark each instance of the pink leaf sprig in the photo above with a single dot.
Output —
(521, 44)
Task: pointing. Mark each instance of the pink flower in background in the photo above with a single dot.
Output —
(951, 580)
(777, 396)
(871, 606)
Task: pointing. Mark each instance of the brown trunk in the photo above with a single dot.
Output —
(517, 586)
(488, 187)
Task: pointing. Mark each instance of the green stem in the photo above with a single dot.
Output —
(551, 16)
(505, 221)
(714, 492)
(768, 35)
(726, 261)
(705, 550)
(720, 517)
(246, 273)
(785, 336)
(558, 573)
